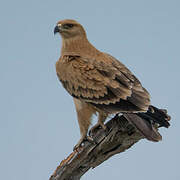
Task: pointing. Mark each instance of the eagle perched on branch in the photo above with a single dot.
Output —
(101, 84)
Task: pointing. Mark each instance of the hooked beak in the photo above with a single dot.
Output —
(56, 30)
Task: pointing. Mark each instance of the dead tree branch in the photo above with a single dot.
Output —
(120, 135)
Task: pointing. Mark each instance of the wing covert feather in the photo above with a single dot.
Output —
(103, 80)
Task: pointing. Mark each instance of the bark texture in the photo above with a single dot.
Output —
(119, 136)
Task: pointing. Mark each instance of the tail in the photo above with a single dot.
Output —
(145, 122)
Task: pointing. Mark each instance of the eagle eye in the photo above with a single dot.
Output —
(68, 26)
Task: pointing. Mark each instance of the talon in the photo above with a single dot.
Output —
(90, 139)
(81, 141)
(78, 145)
(93, 129)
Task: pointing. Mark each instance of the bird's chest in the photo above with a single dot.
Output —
(70, 67)
(64, 68)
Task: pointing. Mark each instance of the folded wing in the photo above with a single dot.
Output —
(104, 82)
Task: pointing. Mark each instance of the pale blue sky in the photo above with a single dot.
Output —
(38, 121)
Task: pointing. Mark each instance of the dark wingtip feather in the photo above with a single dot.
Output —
(144, 122)
(160, 116)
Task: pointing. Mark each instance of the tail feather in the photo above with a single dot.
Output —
(155, 115)
(144, 122)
